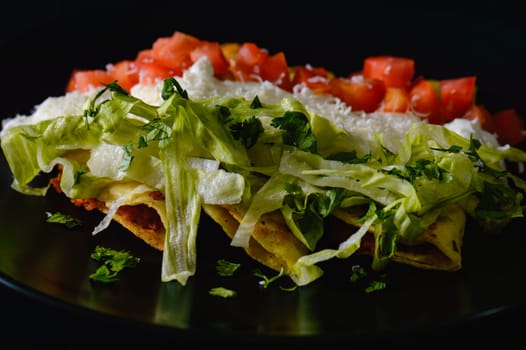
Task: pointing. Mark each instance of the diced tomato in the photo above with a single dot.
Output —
(174, 52)
(252, 62)
(125, 73)
(248, 62)
(144, 56)
(315, 78)
(424, 101)
(394, 71)
(83, 80)
(509, 126)
(484, 117)
(395, 100)
(250, 55)
(360, 93)
(213, 51)
(456, 96)
(151, 72)
(276, 70)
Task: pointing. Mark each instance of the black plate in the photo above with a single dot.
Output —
(51, 264)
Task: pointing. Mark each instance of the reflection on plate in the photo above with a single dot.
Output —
(55, 260)
(51, 260)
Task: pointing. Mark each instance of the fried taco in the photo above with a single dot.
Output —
(280, 157)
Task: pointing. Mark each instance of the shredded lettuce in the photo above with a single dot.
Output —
(265, 158)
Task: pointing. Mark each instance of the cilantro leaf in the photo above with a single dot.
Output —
(76, 177)
(247, 131)
(422, 167)
(451, 149)
(297, 131)
(358, 273)
(372, 283)
(256, 103)
(115, 87)
(350, 157)
(497, 205)
(377, 284)
(93, 109)
(472, 153)
(222, 292)
(64, 219)
(170, 87)
(223, 114)
(327, 201)
(104, 275)
(113, 262)
(226, 268)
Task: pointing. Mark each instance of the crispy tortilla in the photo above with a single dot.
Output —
(273, 245)
(437, 248)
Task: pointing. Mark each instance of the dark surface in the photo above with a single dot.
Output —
(27, 321)
(50, 299)
(483, 302)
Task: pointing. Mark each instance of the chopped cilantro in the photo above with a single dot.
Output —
(92, 110)
(170, 87)
(76, 177)
(499, 201)
(65, 219)
(115, 87)
(222, 292)
(113, 262)
(358, 273)
(362, 278)
(375, 286)
(422, 167)
(350, 157)
(451, 149)
(226, 268)
(247, 131)
(474, 145)
(297, 131)
(329, 200)
(497, 205)
(256, 103)
(223, 114)
(472, 153)
(142, 143)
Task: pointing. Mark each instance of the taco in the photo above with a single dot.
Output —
(292, 168)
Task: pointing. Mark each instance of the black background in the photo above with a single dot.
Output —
(467, 38)
(433, 34)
